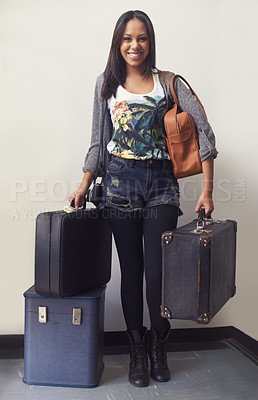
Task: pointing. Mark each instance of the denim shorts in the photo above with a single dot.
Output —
(132, 185)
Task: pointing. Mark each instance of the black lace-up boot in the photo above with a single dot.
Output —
(158, 358)
(138, 373)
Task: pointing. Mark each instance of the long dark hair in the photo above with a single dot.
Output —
(115, 72)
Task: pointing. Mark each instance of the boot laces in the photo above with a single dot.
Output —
(138, 355)
(158, 352)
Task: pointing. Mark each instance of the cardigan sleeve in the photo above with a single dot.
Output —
(188, 103)
(93, 160)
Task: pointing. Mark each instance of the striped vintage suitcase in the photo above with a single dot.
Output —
(63, 342)
(198, 271)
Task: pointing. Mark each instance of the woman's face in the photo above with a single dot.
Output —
(135, 44)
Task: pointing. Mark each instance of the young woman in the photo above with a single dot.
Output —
(140, 194)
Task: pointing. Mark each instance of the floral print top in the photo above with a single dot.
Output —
(138, 127)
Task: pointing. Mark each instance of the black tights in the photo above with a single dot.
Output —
(129, 230)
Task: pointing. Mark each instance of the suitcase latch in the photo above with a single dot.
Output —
(77, 316)
(199, 231)
(42, 315)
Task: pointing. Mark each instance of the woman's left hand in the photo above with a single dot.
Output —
(205, 201)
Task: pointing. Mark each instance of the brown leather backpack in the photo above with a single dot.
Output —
(182, 138)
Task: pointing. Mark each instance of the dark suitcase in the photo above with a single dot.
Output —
(198, 270)
(72, 252)
(63, 341)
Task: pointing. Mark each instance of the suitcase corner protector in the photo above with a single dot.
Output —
(166, 237)
(234, 222)
(165, 312)
(205, 318)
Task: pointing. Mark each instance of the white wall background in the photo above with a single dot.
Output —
(51, 52)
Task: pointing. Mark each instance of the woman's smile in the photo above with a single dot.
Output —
(135, 55)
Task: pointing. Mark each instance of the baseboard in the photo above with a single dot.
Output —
(191, 339)
(11, 346)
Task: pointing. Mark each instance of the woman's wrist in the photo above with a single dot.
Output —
(208, 189)
(86, 181)
(208, 185)
(84, 186)
(207, 192)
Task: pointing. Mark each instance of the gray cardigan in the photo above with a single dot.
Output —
(97, 158)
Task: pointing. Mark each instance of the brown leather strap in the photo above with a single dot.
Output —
(183, 79)
(171, 86)
(173, 90)
(191, 90)
(164, 77)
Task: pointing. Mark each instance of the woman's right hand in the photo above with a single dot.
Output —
(79, 196)
(80, 193)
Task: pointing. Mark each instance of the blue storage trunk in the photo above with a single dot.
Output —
(64, 338)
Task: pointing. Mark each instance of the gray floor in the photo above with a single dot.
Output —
(196, 375)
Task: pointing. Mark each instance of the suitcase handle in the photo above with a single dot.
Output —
(202, 221)
(73, 201)
(201, 217)
(71, 208)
